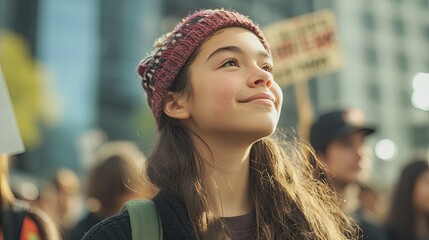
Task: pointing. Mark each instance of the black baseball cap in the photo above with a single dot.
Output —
(337, 124)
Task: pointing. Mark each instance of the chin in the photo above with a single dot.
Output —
(352, 180)
(260, 132)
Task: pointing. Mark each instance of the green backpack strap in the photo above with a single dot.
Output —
(145, 222)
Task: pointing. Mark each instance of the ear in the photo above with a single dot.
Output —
(176, 105)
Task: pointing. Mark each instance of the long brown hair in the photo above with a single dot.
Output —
(401, 220)
(290, 203)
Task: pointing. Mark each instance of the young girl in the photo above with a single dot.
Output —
(210, 86)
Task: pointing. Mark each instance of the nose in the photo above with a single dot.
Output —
(260, 77)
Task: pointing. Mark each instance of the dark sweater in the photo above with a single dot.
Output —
(77, 232)
(175, 222)
(370, 231)
(172, 212)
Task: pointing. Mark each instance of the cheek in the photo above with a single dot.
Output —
(277, 91)
(336, 154)
(339, 160)
(345, 154)
(222, 99)
(421, 195)
(334, 159)
(421, 201)
(337, 164)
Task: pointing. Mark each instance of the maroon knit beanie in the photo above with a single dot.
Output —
(160, 68)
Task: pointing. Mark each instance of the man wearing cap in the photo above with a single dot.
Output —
(338, 140)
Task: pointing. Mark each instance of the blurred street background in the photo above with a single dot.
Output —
(70, 67)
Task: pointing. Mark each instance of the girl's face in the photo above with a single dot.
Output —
(233, 91)
(421, 193)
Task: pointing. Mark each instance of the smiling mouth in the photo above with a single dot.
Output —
(262, 101)
(261, 98)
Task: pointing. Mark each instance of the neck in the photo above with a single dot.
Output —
(340, 190)
(422, 224)
(226, 177)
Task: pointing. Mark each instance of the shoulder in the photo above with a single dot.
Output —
(83, 226)
(372, 231)
(116, 227)
(46, 225)
(24, 217)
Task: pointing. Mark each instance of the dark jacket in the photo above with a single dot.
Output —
(171, 209)
(12, 220)
(370, 230)
(83, 226)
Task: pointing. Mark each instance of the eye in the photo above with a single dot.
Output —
(232, 62)
(268, 68)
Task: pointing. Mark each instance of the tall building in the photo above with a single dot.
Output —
(89, 50)
(67, 48)
(127, 31)
(21, 17)
(385, 43)
(53, 34)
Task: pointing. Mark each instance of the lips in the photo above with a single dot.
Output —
(264, 97)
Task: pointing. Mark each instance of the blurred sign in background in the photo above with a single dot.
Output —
(304, 47)
(10, 137)
(70, 68)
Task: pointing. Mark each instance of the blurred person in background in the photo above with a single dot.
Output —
(408, 218)
(20, 220)
(110, 183)
(368, 203)
(338, 140)
(59, 199)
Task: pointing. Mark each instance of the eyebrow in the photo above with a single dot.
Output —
(237, 50)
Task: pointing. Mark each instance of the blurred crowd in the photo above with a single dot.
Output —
(69, 205)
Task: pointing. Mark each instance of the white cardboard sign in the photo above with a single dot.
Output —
(304, 47)
(10, 137)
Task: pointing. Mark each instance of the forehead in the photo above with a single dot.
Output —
(232, 36)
